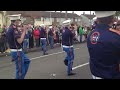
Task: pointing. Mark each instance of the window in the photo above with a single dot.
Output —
(38, 19)
(79, 19)
(72, 19)
(47, 19)
(62, 19)
(75, 19)
(44, 18)
(58, 20)
(69, 18)
(52, 19)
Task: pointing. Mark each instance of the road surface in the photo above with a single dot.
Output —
(50, 66)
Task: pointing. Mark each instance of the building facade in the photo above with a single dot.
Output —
(47, 18)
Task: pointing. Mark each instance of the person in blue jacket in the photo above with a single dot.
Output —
(43, 40)
(26, 42)
(15, 39)
(67, 44)
(50, 36)
(104, 48)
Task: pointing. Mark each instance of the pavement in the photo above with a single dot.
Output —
(50, 66)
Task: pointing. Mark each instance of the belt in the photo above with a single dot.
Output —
(42, 38)
(94, 77)
(15, 50)
(67, 46)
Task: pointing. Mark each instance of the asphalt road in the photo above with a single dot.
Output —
(50, 66)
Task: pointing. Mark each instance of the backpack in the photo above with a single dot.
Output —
(36, 32)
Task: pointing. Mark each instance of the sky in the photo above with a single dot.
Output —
(78, 12)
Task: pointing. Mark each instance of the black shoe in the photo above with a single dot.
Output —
(71, 74)
(12, 60)
(66, 62)
(52, 47)
(45, 53)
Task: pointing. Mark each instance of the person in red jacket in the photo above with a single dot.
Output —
(36, 35)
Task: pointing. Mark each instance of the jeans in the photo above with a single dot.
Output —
(81, 38)
(25, 44)
(44, 43)
(70, 58)
(23, 64)
(51, 41)
(2, 48)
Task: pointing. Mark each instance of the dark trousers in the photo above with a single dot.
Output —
(81, 38)
(51, 41)
(2, 48)
(37, 42)
(31, 41)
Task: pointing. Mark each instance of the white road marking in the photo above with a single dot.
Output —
(59, 53)
(50, 54)
(80, 66)
(41, 56)
(53, 75)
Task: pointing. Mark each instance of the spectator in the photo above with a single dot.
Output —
(4, 31)
(36, 34)
(57, 36)
(85, 32)
(26, 42)
(0, 28)
(50, 36)
(60, 36)
(81, 33)
(1, 43)
(39, 36)
(30, 32)
(54, 34)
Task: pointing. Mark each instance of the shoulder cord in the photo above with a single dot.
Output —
(19, 60)
(70, 47)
